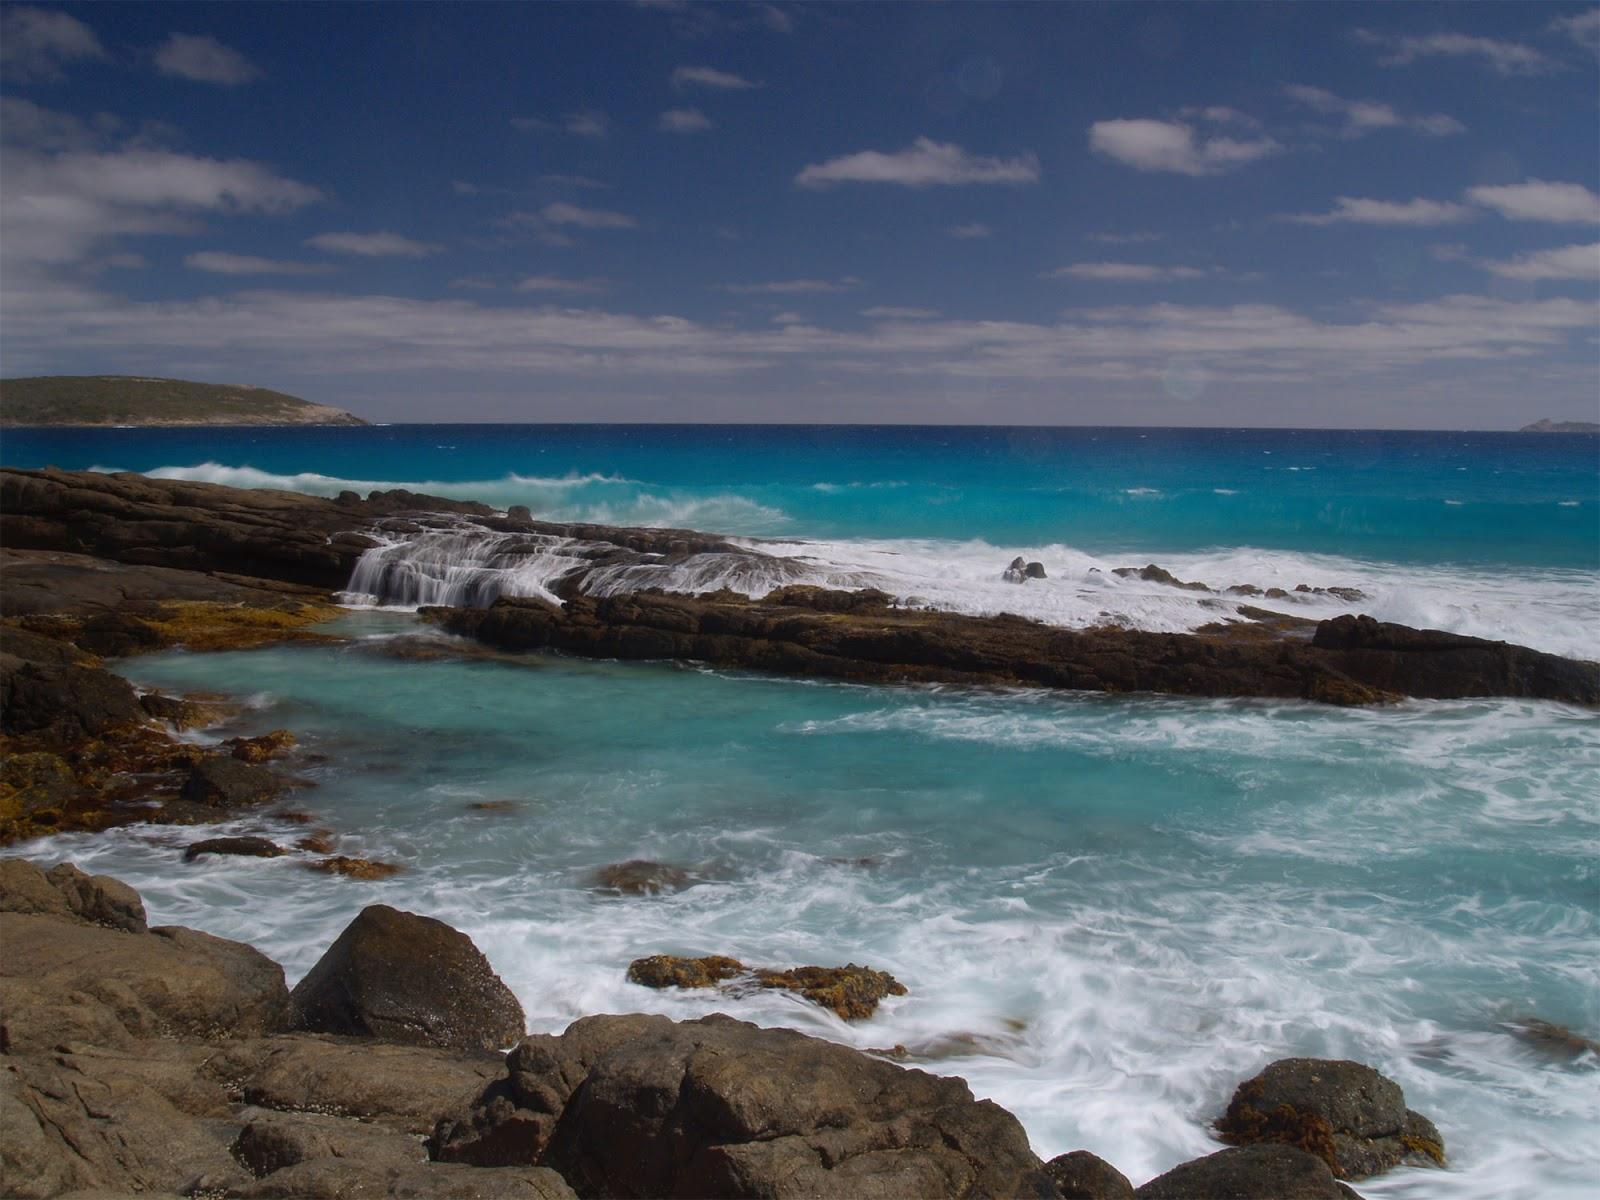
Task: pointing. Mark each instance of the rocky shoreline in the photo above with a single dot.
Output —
(165, 1061)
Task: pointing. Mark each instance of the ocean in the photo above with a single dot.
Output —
(1108, 910)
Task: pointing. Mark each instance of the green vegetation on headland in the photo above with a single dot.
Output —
(1548, 426)
(135, 400)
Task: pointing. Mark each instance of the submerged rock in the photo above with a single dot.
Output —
(262, 748)
(641, 877)
(1555, 1040)
(248, 847)
(405, 978)
(1343, 1112)
(1155, 574)
(643, 1106)
(850, 991)
(350, 868)
(1084, 1176)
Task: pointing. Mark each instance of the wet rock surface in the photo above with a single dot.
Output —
(1080, 1175)
(849, 991)
(246, 847)
(1343, 1112)
(641, 877)
(1248, 1173)
(643, 1106)
(405, 978)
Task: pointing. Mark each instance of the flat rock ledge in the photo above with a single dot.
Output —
(139, 1060)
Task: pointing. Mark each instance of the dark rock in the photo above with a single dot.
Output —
(641, 877)
(850, 991)
(1034, 570)
(1016, 572)
(1084, 1176)
(335, 1178)
(261, 748)
(271, 1141)
(183, 713)
(519, 512)
(35, 782)
(66, 701)
(1247, 1173)
(251, 847)
(1155, 574)
(318, 841)
(641, 1106)
(228, 783)
(1345, 1113)
(403, 978)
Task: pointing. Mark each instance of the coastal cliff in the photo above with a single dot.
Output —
(136, 400)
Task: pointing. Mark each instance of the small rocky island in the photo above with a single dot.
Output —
(1546, 425)
(135, 400)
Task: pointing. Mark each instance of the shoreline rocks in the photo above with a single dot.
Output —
(850, 992)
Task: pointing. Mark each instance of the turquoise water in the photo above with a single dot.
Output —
(1108, 911)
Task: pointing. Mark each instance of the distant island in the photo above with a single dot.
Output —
(1549, 426)
(138, 400)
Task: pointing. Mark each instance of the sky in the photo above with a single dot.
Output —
(1312, 215)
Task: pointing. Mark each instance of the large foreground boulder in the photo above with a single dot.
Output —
(1248, 1173)
(1345, 1113)
(643, 1106)
(64, 891)
(403, 978)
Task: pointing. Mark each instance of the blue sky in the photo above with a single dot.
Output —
(1288, 214)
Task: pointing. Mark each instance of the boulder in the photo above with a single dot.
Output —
(519, 512)
(228, 783)
(644, 1106)
(1016, 571)
(60, 979)
(64, 891)
(350, 868)
(1345, 1113)
(1084, 1176)
(272, 1140)
(850, 991)
(404, 978)
(250, 847)
(340, 1179)
(62, 701)
(1248, 1173)
(261, 749)
(668, 970)
(1034, 570)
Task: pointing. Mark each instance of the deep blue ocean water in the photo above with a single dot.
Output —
(1108, 911)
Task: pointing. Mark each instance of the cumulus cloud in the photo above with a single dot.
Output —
(1355, 211)
(1362, 117)
(1501, 57)
(1121, 272)
(792, 287)
(925, 163)
(1584, 28)
(219, 262)
(710, 77)
(372, 245)
(65, 188)
(893, 312)
(1580, 262)
(587, 123)
(684, 120)
(969, 232)
(1539, 200)
(556, 283)
(35, 43)
(205, 60)
(1148, 145)
(586, 218)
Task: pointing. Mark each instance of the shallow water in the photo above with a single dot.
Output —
(1108, 911)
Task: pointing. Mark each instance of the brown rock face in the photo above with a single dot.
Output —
(403, 978)
(668, 970)
(1345, 1113)
(1084, 1176)
(850, 991)
(641, 1106)
(641, 877)
(1244, 1173)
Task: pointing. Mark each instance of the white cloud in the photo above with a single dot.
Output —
(1563, 262)
(586, 218)
(1148, 145)
(1538, 200)
(36, 42)
(65, 191)
(1583, 28)
(924, 163)
(792, 287)
(1501, 57)
(587, 123)
(1354, 211)
(684, 120)
(710, 77)
(556, 283)
(891, 312)
(968, 232)
(1362, 117)
(372, 245)
(205, 60)
(219, 262)
(1120, 272)
(1126, 239)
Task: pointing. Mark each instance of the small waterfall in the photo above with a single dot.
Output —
(467, 566)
